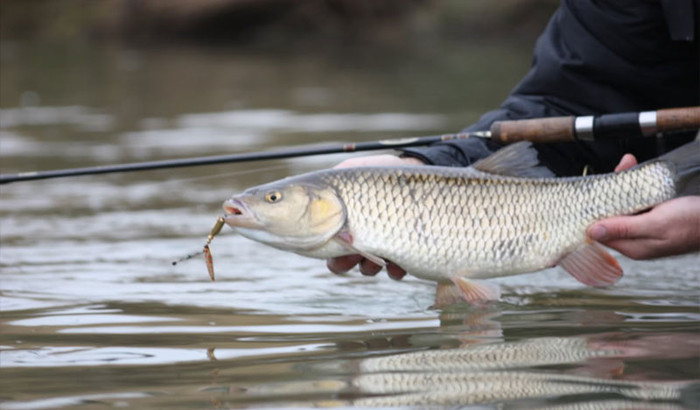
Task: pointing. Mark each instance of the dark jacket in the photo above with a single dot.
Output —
(598, 57)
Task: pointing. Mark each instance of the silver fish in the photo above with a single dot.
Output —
(502, 216)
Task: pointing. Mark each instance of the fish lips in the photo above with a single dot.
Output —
(239, 216)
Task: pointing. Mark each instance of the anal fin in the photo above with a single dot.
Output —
(446, 294)
(476, 293)
(592, 265)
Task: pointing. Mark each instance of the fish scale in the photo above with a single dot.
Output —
(482, 224)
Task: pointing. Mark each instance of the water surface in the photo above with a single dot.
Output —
(94, 315)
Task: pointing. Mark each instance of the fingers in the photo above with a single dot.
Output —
(343, 264)
(620, 227)
(628, 236)
(636, 236)
(670, 228)
(639, 249)
(627, 162)
(395, 271)
(369, 268)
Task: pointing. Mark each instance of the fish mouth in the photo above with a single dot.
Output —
(238, 215)
(233, 207)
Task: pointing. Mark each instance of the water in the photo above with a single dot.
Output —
(94, 315)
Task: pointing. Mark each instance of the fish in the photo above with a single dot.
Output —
(504, 215)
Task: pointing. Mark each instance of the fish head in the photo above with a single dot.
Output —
(288, 214)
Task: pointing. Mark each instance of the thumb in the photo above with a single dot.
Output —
(627, 162)
(619, 227)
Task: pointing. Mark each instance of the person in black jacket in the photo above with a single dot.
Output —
(595, 58)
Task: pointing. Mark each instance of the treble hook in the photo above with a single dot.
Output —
(206, 250)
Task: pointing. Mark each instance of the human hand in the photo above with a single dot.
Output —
(670, 228)
(343, 264)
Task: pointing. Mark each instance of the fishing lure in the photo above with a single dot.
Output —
(208, 259)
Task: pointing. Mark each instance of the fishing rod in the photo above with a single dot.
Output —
(541, 130)
(302, 151)
(596, 128)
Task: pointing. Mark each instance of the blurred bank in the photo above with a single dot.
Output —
(271, 22)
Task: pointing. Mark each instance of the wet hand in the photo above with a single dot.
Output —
(670, 228)
(343, 264)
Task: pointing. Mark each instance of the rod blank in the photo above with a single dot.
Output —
(232, 158)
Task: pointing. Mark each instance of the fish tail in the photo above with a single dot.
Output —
(685, 160)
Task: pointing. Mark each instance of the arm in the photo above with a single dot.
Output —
(595, 58)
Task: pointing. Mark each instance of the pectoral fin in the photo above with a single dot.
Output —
(591, 265)
(476, 293)
(345, 238)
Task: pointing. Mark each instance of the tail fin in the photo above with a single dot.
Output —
(686, 161)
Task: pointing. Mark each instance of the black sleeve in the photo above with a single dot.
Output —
(595, 58)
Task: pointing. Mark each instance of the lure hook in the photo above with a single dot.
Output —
(206, 250)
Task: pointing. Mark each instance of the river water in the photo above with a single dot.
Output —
(94, 315)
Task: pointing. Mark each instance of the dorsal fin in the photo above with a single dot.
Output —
(518, 160)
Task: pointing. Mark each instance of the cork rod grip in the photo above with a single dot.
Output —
(553, 129)
(678, 119)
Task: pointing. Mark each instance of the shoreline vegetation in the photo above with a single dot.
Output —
(272, 23)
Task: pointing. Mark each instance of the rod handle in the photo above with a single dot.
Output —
(674, 119)
(552, 129)
(589, 128)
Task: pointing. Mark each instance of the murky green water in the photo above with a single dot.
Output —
(94, 315)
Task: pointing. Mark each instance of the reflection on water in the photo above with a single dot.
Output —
(94, 315)
(463, 356)
(469, 374)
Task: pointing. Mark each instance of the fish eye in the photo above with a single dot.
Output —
(274, 196)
